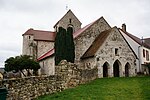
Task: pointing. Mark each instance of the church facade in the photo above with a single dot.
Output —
(96, 45)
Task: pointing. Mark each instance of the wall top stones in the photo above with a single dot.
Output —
(67, 75)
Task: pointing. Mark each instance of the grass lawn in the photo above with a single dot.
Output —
(131, 88)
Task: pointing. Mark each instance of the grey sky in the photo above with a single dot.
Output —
(16, 16)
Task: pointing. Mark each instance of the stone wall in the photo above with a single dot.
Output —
(32, 87)
(47, 66)
(68, 19)
(67, 75)
(106, 53)
(73, 74)
(35, 48)
(27, 49)
(84, 41)
(43, 47)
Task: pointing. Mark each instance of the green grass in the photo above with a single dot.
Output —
(131, 88)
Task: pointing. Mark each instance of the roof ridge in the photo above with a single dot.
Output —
(136, 39)
(127, 42)
(44, 31)
(41, 57)
(85, 28)
(146, 38)
(31, 30)
(131, 35)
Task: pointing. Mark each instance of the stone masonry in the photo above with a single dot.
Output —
(43, 46)
(69, 19)
(124, 54)
(34, 47)
(83, 42)
(84, 38)
(68, 75)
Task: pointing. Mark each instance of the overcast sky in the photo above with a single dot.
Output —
(17, 16)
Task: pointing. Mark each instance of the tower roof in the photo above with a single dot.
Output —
(41, 35)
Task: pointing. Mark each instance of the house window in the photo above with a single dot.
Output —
(147, 55)
(70, 20)
(116, 51)
(143, 53)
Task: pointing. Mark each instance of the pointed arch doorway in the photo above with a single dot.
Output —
(116, 67)
(105, 69)
(127, 67)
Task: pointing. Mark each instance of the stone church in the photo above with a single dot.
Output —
(96, 45)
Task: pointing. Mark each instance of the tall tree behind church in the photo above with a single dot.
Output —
(70, 45)
(58, 46)
(64, 45)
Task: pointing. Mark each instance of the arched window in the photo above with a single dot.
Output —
(70, 25)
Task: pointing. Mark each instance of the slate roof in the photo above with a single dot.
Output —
(147, 41)
(41, 35)
(75, 35)
(78, 32)
(136, 39)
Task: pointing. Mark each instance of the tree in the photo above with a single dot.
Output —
(64, 45)
(70, 45)
(9, 64)
(57, 46)
(19, 63)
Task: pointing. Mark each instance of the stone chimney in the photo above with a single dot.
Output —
(124, 27)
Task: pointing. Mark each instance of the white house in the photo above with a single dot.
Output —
(141, 47)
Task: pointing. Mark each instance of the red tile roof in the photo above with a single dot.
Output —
(49, 53)
(76, 34)
(136, 39)
(29, 32)
(41, 35)
(96, 44)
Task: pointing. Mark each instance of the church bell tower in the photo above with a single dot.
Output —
(68, 20)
